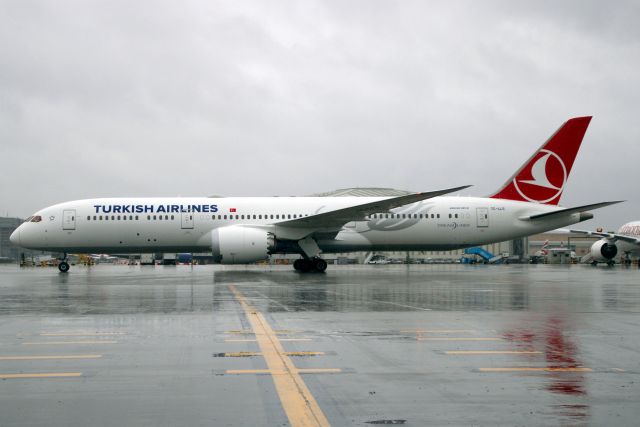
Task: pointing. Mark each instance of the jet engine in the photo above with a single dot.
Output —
(603, 251)
(239, 244)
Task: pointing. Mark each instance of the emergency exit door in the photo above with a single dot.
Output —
(482, 215)
(69, 219)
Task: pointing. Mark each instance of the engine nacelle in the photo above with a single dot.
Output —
(603, 251)
(239, 244)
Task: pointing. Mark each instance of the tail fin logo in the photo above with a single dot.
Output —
(544, 179)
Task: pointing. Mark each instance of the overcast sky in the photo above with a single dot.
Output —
(191, 98)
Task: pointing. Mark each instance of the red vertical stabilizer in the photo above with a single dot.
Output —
(543, 177)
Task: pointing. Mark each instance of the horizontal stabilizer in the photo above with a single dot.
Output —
(569, 211)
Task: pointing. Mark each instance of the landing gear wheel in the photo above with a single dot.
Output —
(63, 267)
(319, 265)
(302, 265)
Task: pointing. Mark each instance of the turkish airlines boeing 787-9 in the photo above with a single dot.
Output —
(242, 230)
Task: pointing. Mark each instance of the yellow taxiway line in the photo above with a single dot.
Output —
(42, 375)
(458, 339)
(280, 339)
(299, 371)
(69, 342)
(437, 331)
(61, 357)
(488, 352)
(80, 334)
(298, 402)
(525, 369)
(254, 353)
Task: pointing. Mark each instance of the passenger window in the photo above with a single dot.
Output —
(254, 217)
(160, 217)
(88, 218)
(242, 216)
(456, 215)
(106, 217)
(289, 216)
(225, 217)
(236, 216)
(155, 217)
(438, 216)
(213, 217)
(148, 217)
(113, 218)
(94, 217)
(136, 217)
(124, 217)
(271, 216)
(100, 217)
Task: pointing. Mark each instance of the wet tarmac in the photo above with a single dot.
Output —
(357, 346)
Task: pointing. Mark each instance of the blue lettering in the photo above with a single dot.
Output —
(205, 208)
(116, 209)
(138, 209)
(126, 209)
(195, 208)
(106, 209)
(97, 208)
(161, 209)
(148, 208)
(175, 208)
(213, 208)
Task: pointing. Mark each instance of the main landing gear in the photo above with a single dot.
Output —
(305, 265)
(63, 266)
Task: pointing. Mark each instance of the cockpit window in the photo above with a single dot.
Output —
(28, 219)
(36, 218)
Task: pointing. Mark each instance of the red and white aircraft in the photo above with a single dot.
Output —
(248, 229)
(625, 242)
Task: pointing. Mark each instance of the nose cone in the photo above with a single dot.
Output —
(15, 237)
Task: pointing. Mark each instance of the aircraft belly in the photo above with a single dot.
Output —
(126, 238)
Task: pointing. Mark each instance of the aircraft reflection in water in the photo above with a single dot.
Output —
(561, 355)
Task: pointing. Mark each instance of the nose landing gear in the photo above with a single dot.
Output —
(63, 266)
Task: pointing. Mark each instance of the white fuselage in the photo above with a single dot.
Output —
(631, 229)
(185, 224)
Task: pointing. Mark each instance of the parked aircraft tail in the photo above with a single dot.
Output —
(542, 178)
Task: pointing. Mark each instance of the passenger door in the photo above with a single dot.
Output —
(187, 220)
(69, 219)
(482, 217)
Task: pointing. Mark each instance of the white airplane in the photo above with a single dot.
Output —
(626, 241)
(249, 229)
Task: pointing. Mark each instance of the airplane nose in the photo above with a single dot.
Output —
(15, 237)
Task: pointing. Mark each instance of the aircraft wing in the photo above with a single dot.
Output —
(609, 236)
(568, 211)
(339, 217)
